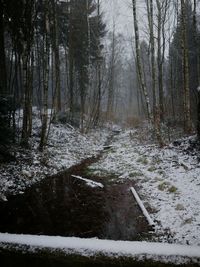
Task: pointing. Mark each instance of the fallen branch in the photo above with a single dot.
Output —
(89, 182)
(142, 207)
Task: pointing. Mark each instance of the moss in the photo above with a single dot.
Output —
(143, 160)
(166, 186)
(188, 221)
(172, 189)
(179, 207)
(152, 169)
(135, 174)
(89, 172)
(163, 186)
(161, 172)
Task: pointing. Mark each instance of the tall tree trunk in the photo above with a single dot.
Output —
(185, 64)
(98, 69)
(138, 62)
(31, 70)
(152, 45)
(198, 66)
(56, 59)
(25, 62)
(159, 60)
(3, 73)
(28, 32)
(110, 101)
(71, 65)
(43, 138)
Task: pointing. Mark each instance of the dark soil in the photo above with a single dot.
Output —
(18, 259)
(63, 205)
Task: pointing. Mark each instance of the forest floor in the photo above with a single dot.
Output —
(88, 178)
(167, 180)
(66, 147)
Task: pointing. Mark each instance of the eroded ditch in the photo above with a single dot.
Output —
(63, 205)
(66, 206)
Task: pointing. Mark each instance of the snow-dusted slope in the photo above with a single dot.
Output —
(167, 180)
(66, 147)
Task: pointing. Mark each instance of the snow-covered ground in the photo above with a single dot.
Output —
(167, 180)
(139, 251)
(66, 147)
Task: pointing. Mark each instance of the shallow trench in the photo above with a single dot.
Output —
(66, 206)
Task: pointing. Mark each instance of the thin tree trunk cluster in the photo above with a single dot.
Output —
(53, 53)
(167, 92)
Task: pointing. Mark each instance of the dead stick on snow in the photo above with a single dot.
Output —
(142, 207)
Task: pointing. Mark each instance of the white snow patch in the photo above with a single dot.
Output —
(89, 182)
(89, 247)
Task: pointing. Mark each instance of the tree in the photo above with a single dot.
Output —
(3, 69)
(150, 12)
(185, 64)
(183, 67)
(46, 51)
(162, 9)
(138, 62)
(56, 55)
(27, 43)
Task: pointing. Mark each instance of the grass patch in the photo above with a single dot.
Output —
(179, 207)
(188, 221)
(135, 174)
(166, 186)
(172, 189)
(89, 172)
(152, 169)
(163, 186)
(161, 172)
(143, 160)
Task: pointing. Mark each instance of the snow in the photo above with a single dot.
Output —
(91, 247)
(142, 207)
(167, 180)
(89, 182)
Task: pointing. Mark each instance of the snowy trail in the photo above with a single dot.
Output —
(90, 247)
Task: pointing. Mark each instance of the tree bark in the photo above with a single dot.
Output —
(3, 72)
(185, 64)
(150, 12)
(56, 59)
(138, 62)
(71, 65)
(111, 79)
(159, 62)
(43, 138)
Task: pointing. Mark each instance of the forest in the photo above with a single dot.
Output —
(54, 57)
(99, 108)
